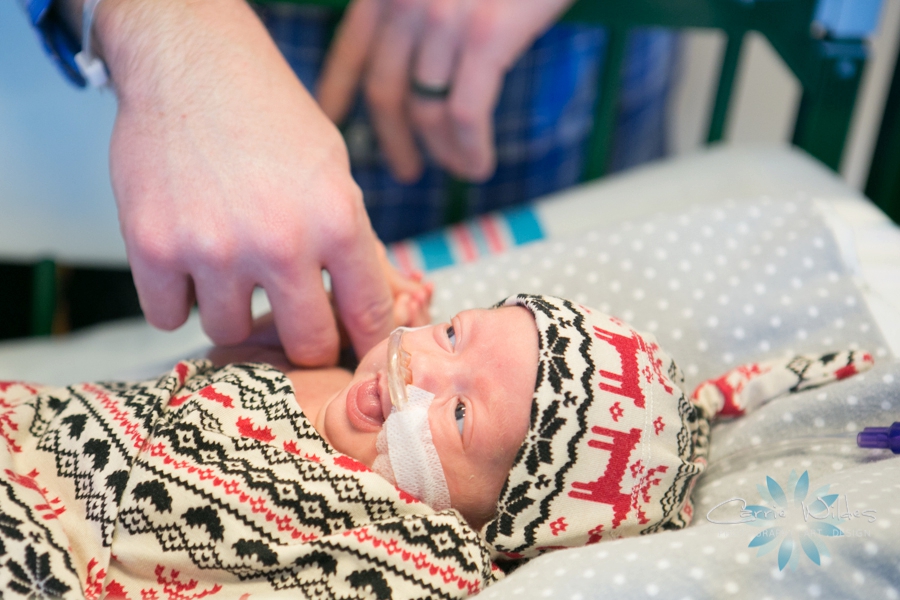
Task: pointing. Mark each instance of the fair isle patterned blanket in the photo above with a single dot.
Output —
(207, 483)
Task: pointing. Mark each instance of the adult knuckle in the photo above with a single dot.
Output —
(371, 318)
(426, 116)
(216, 249)
(463, 114)
(440, 13)
(278, 250)
(151, 246)
(381, 95)
(405, 6)
(345, 219)
(484, 24)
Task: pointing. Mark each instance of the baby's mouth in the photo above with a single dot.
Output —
(384, 395)
(373, 400)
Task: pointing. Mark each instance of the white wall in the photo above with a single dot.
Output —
(55, 194)
(766, 94)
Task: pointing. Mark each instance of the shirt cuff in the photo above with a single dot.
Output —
(58, 41)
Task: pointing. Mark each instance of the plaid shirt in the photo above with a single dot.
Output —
(542, 121)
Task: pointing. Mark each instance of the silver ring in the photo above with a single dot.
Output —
(429, 92)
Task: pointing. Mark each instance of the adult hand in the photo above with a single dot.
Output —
(457, 53)
(228, 176)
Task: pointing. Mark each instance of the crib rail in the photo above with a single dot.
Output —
(883, 185)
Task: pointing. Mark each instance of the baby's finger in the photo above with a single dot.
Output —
(401, 309)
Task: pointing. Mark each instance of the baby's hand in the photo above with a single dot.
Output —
(412, 295)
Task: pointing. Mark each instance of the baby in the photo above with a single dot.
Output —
(553, 426)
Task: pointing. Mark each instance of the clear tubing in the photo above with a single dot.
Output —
(744, 456)
(399, 375)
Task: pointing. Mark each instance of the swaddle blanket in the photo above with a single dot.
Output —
(207, 483)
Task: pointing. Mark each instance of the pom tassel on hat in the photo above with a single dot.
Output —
(749, 386)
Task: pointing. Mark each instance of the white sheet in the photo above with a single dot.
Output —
(869, 241)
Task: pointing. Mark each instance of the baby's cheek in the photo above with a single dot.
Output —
(474, 496)
(333, 424)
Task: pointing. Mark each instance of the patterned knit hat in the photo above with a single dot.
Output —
(614, 446)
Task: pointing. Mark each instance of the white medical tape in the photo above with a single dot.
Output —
(406, 453)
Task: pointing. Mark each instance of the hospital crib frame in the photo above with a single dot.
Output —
(827, 64)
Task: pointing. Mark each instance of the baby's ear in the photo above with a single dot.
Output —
(749, 386)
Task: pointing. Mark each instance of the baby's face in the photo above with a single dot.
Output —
(482, 368)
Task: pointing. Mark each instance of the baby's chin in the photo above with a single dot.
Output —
(335, 426)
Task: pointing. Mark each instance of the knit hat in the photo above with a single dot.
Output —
(614, 445)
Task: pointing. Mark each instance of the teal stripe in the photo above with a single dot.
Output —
(435, 250)
(474, 229)
(524, 225)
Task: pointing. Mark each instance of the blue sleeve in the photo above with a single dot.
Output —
(56, 37)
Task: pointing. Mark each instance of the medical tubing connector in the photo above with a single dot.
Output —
(880, 437)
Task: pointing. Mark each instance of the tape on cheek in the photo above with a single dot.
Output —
(406, 453)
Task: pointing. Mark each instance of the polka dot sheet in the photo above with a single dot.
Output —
(716, 560)
(717, 285)
(720, 285)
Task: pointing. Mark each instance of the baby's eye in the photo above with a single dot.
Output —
(460, 415)
(451, 335)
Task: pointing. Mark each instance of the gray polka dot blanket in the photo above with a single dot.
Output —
(207, 482)
(721, 285)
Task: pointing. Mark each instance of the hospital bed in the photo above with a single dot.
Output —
(727, 256)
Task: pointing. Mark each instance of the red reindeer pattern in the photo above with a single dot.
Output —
(608, 488)
(628, 382)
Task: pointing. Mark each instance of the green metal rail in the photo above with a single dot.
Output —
(883, 186)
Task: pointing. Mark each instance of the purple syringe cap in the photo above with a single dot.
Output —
(880, 437)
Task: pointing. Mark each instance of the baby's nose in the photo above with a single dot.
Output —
(430, 372)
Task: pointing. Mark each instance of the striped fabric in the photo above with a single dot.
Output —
(489, 234)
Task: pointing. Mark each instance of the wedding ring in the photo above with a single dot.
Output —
(429, 92)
